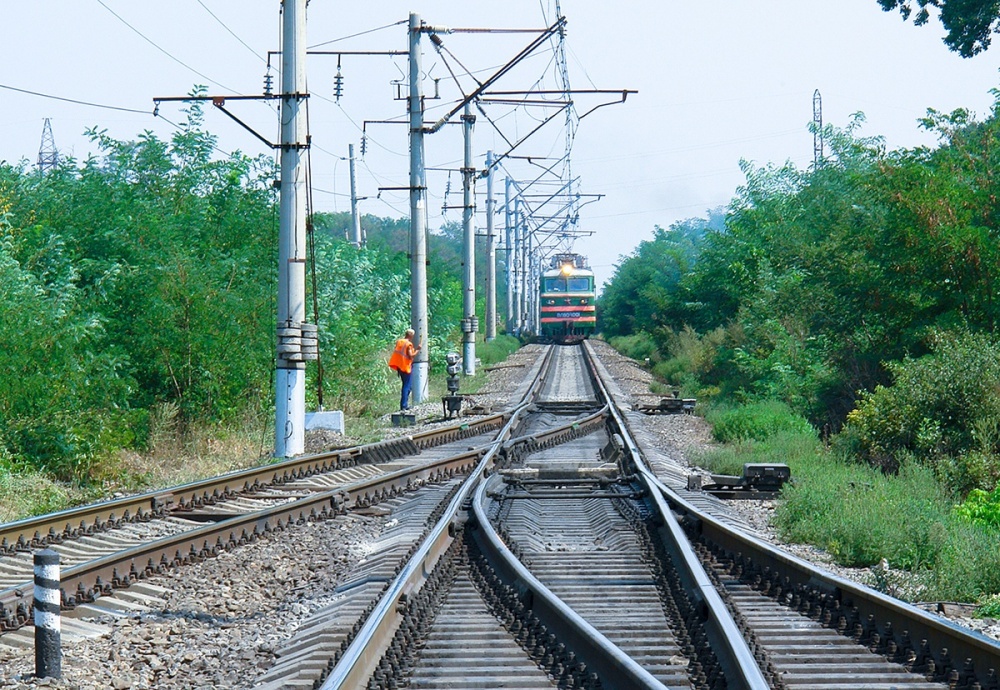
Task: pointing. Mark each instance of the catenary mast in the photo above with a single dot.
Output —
(290, 374)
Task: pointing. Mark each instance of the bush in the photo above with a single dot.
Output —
(861, 516)
(497, 350)
(25, 492)
(756, 421)
(942, 407)
(981, 508)
(639, 347)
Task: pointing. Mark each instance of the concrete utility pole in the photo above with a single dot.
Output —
(518, 325)
(491, 255)
(418, 218)
(469, 321)
(536, 277)
(355, 218)
(526, 275)
(524, 268)
(509, 257)
(290, 380)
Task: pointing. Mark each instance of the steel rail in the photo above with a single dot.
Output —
(617, 670)
(950, 644)
(37, 532)
(89, 580)
(364, 652)
(735, 657)
(941, 634)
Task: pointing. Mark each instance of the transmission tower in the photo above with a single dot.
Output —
(817, 129)
(48, 155)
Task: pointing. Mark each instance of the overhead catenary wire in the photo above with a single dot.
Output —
(73, 100)
(163, 50)
(231, 32)
(360, 33)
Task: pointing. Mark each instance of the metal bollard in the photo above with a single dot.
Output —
(48, 638)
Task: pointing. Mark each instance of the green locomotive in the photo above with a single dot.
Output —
(567, 300)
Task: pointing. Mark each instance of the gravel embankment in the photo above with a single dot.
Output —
(221, 620)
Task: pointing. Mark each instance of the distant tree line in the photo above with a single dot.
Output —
(862, 293)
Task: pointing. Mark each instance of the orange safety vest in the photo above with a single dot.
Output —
(402, 356)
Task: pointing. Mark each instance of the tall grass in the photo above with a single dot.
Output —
(30, 492)
(755, 421)
(860, 515)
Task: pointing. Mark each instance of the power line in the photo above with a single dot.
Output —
(360, 33)
(162, 50)
(231, 32)
(71, 100)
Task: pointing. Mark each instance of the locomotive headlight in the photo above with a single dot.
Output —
(566, 269)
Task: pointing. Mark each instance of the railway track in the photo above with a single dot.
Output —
(108, 546)
(552, 556)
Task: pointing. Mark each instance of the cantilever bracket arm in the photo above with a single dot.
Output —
(530, 48)
(220, 103)
(624, 92)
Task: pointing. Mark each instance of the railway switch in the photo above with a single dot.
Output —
(758, 480)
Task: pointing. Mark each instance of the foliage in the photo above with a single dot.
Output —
(497, 350)
(24, 493)
(981, 508)
(60, 382)
(970, 23)
(639, 346)
(846, 510)
(822, 278)
(360, 317)
(645, 292)
(692, 362)
(756, 421)
(989, 607)
(860, 516)
(943, 404)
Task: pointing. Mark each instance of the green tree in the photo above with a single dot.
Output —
(646, 292)
(970, 23)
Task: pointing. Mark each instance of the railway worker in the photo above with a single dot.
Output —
(402, 362)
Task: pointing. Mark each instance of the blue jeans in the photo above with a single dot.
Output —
(404, 398)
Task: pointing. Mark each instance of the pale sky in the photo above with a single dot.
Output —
(717, 81)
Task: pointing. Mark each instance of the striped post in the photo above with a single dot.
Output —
(48, 642)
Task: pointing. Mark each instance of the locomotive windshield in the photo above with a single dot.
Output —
(567, 285)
